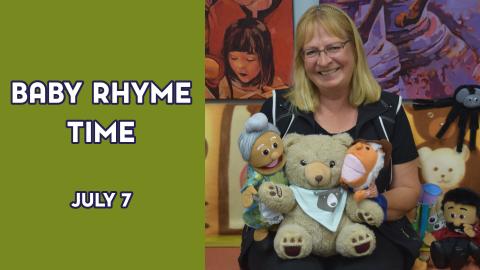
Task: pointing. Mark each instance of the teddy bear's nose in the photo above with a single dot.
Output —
(318, 178)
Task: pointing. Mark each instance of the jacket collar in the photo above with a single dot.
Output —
(370, 111)
(365, 113)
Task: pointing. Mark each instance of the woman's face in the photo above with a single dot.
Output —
(245, 65)
(332, 72)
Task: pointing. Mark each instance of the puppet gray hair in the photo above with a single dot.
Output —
(255, 126)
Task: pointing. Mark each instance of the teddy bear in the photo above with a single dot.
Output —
(261, 146)
(443, 166)
(320, 217)
(425, 125)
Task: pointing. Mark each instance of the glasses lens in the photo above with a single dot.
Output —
(333, 49)
(310, 53)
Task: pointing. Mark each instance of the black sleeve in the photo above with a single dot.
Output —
(267, 109)
(403, 145)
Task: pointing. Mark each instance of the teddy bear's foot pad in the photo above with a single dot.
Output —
(292, 251)
(362, 248)
(362, 243)
(356, 240)
(293, 243)
(292, 246)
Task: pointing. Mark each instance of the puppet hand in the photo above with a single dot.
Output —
(372, 190)
(428, 239)
(247, 196)
(468, 229)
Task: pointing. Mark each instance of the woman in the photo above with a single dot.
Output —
(334, 92)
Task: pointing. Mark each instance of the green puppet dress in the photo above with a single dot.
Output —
(258, 215)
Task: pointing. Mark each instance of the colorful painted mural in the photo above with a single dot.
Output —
(419, 48)
(249, 48)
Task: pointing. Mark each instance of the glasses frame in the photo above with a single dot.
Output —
(325, 50)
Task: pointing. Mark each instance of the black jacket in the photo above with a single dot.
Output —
(393, 126)
(393, 118)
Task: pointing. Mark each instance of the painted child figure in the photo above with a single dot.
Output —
(248, 62)
(262, 147)
(361, 167)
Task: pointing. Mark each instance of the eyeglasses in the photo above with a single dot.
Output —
(330, 50)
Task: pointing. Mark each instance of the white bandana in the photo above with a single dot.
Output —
(325, 206)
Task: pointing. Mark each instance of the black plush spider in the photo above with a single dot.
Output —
(465, 105)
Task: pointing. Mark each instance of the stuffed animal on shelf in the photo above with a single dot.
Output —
(362, 164)
(452, 245)
(465, 105)
(320, 217)
(261, 146)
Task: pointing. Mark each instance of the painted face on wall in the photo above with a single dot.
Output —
(245, 65)
(332, 70)
(267, 154)
(245, 2)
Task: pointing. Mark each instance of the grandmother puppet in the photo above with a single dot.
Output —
(261, 146)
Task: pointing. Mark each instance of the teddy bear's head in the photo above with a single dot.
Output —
(443, 166)
(315, 161)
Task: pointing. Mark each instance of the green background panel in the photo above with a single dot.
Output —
(40, 169)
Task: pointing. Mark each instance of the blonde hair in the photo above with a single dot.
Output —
(364, 88)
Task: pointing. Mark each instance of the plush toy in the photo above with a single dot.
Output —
(443, 166)
(452, 245)
(262, 147)
(465, 106)
(319, 215)
(361, 167)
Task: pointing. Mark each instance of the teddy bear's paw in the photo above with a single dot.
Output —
(277, 197)
(270, 191)
(366, 217)
(355, 240)
(293, 243)
(370, 213)
(271, 194)
(275, 191)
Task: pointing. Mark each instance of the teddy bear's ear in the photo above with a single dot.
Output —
(423, 154)
(291, 139)
(344, 139)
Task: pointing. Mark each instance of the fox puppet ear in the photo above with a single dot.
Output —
(387, 149)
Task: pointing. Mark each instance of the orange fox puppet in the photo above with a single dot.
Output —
(362, 164)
